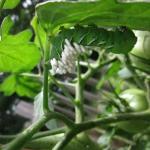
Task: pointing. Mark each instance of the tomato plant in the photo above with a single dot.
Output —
(137, 101)
(142, 50)
(68, 65)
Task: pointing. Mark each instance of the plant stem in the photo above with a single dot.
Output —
(136, 78)
(67, 138)
(45, 82)
(122, 100)
(26, 135)
(38, 36)
(49, 133)
(145, 115)
(79, 110)
(31, 75)
(7, 138)
(63, 88)
(96, 68)
(116, 136)
(63, 118)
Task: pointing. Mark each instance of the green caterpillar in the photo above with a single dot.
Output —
(119, 40)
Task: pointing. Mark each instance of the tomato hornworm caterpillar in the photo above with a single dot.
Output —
(119, 40)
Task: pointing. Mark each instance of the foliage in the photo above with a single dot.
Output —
(13, 47)
(105, 13)
(102, 27)
(23, 86)
(10, 4)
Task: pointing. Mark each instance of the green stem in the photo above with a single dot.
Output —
(67, 138)
(145, 115)
(31, 75)
(79, 110)
(61, 117)
(45, 82)
(26, 135)
(96, 67)
(122, 100)
(49, 133)
(136, 78)
(116, 137)
(7, 138)
(38, 36)
(65, 91)
(44, 143)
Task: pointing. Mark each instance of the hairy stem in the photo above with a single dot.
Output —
(7, 138)
(45, 82)
(96, 68)
(63, 88)
(145, 115)
(136, 78)
(75, 129)
(38, 35)
(26, 135)
(79, 112)
(116, 136)
(49, 133)
(67, 138)
(61, 117)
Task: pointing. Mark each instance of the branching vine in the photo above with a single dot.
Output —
(63, 51)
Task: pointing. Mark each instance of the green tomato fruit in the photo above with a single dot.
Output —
(137, 101)
(142, 50)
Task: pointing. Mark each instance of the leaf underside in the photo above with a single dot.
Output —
(101, 13)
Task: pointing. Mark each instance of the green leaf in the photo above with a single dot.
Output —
(101, 13)
(40, 34)
(20, 38)
(8, 86)
(10, 4)
(16, 58)
(6, 26)
(17, 53)
(23, 86)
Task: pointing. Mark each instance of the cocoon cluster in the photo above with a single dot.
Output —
(66, 64)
